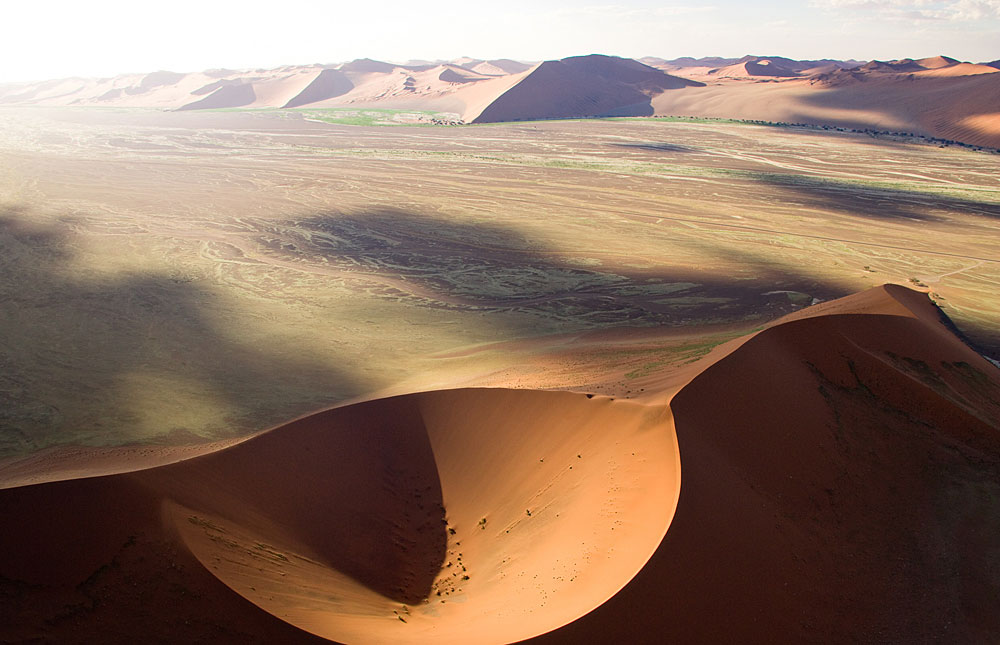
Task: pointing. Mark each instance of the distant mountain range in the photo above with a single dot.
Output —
(934, 97)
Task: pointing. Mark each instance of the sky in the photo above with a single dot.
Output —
(59, 38)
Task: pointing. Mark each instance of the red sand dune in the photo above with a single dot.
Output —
(959, 69)
(506, 65)
(328, 84)
(367, 66)
(933, 97)
(933, 103)
(582, 86)
(936, 62)
(840, 476)
(750, 68)
(453, 75)
(512, 512)
(225, 96)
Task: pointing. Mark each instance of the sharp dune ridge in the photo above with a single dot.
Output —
(827, 477)
(936, 97)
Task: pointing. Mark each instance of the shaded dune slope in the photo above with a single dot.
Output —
(960, 108)
(225, 96)
(328, 84)
(840, 476)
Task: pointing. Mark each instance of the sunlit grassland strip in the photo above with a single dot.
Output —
(975, 193)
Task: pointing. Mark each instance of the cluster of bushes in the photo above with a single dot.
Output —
(869, 131)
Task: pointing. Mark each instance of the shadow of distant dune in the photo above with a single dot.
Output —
(488, 267)
(95, 359)
(74, 345)
(654, 147)
(875, 202)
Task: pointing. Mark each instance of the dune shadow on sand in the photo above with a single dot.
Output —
(876, 202)
(75, 343)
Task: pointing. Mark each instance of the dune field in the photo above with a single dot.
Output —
(271, 376)
(938, 97)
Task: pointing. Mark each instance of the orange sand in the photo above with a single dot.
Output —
(840, 471)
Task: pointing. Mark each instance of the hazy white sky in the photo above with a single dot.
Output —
(58, 38)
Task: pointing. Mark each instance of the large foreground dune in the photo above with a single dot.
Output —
(832, 477)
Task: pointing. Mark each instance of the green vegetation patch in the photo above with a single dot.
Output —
(984, 195)
(379, 116)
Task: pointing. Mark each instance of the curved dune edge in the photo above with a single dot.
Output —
(840, 475)
(576, 493)
(835, 470)
(360, 524)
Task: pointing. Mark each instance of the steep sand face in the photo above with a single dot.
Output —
(845, 491)
(458, 75)
(226, 96)
(582, 86)
(328, 84)
(960, 108)
(468, 515)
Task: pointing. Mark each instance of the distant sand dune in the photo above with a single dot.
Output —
(328, 84)
(959, 69)
(838, 468)
(367, 66)
(937, 96)
(582, 86)
(753, 68)
(226, 96)
(450, 75)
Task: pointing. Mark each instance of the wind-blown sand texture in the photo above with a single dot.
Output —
(841, 491)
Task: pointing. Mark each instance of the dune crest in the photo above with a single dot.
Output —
(837, 465)
(855, 457)
(934, 97)
(483, 515)
(582, 86)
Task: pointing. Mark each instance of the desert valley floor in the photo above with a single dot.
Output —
(587, 359)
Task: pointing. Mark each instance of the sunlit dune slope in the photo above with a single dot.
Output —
(840, 475)
(463, 516)
(840, 478)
